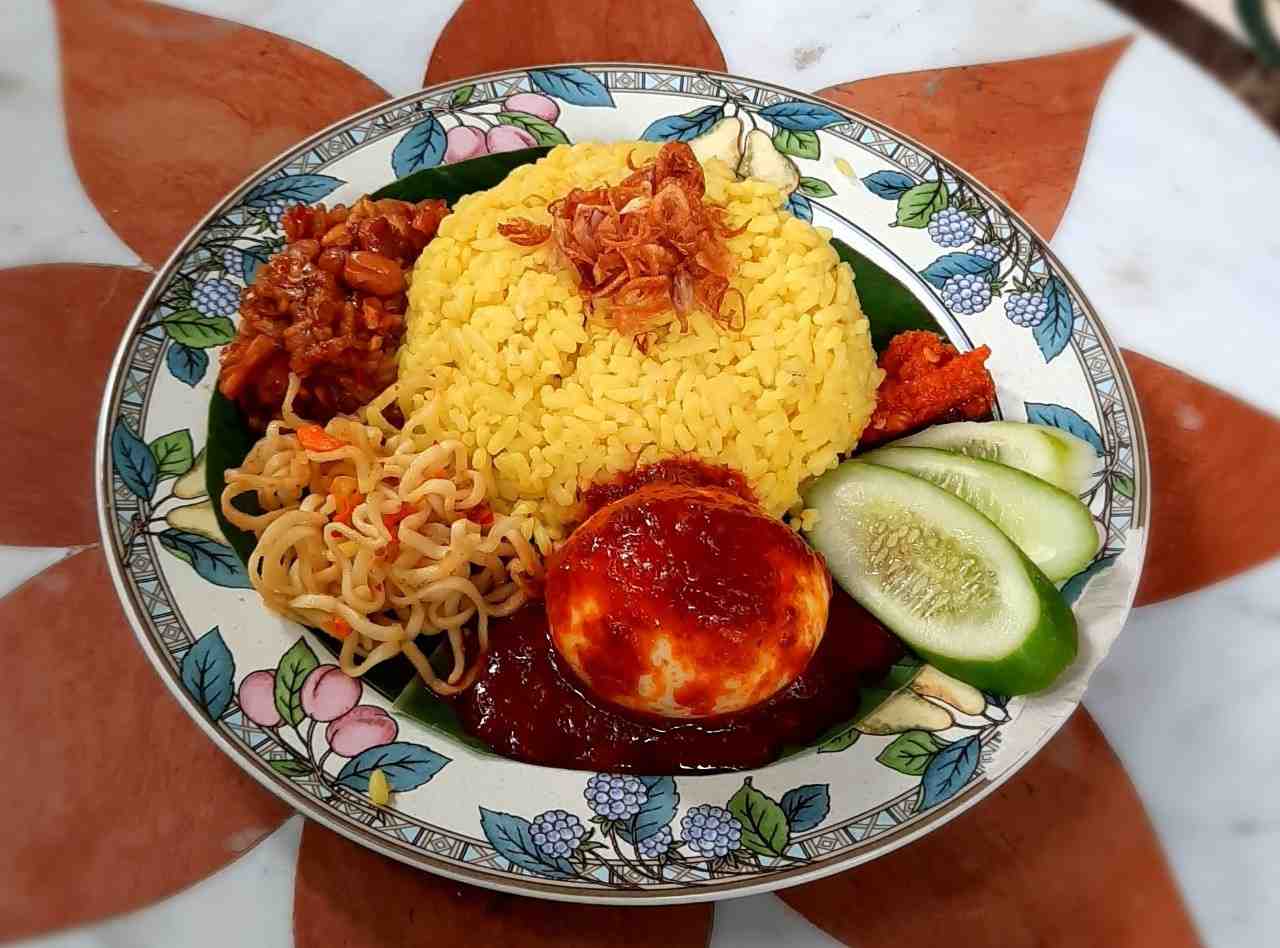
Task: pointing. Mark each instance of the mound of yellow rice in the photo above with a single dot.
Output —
(502, 344)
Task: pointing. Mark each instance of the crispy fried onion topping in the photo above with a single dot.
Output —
(648, 245)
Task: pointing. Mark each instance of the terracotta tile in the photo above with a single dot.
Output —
(1019, 127)
(1215, 476)
(168, 110)
(114, 798)
(1061, 855)
(402, 906)
(485, 35)
(62, 323)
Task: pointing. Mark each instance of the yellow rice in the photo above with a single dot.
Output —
(547, 400)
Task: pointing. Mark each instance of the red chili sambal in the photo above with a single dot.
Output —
(683, 471)
(529, 705)
(526, 705)
(927, 382)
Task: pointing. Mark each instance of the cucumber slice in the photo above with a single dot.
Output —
(1050, 454)
(943, 577)
(1052, 527)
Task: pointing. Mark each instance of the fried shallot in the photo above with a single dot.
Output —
(647, 245)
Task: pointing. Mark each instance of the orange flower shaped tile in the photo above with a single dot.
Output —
(105, 818)
(1045, 104)
(487, 35)
(1215, 512)
(168, 110)
(63, 323)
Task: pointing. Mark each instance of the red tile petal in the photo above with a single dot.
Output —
(113, 797)
(486, 35)
(168, 110)
(347, 896)
(1215, 476)
(62, 323)
(1019, 127)
(1061, 855)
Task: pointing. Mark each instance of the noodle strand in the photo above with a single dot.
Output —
(372, 541)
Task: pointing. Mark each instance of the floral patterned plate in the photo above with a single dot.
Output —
(258, 685)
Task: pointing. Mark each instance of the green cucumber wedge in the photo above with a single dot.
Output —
(1050, 454)
(1052, 527)
(943, 577)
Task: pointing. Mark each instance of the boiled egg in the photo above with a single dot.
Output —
(686, 602)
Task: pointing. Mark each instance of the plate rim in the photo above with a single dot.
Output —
(767, 881)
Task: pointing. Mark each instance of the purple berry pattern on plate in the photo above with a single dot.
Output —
(950, 227)
(632, 840)
(995, 256)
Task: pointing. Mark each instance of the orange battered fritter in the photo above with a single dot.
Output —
(926, 382)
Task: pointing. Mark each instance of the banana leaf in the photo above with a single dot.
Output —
(455, 181)
(891, 308)
(229, 442)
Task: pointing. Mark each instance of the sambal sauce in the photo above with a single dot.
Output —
(527, 706)
(682, 471)
(527, 703)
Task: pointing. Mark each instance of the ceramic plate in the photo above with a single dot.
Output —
(982, 272)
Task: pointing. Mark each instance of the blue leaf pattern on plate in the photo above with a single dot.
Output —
(293, 189)
(1074, 586)
(1060, 416)
(682, 128)
(801, 116)
(656, 812)
(948, 772)
(405, 765)
(806, 806)
(422, 147)
(889, 185)
(133, 462)
(1054, 333)
(208, 673)
(800, 206)
(212, 560)
(951, 264)
(186, 364)
(575, 86)
(510, 836)
(253, 257)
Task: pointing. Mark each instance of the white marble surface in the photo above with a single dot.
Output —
(1172, 233)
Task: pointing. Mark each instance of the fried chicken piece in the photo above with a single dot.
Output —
(927, 382)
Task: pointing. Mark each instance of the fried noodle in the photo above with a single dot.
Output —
(379, 544)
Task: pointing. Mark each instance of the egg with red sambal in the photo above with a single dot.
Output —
(686, 602)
